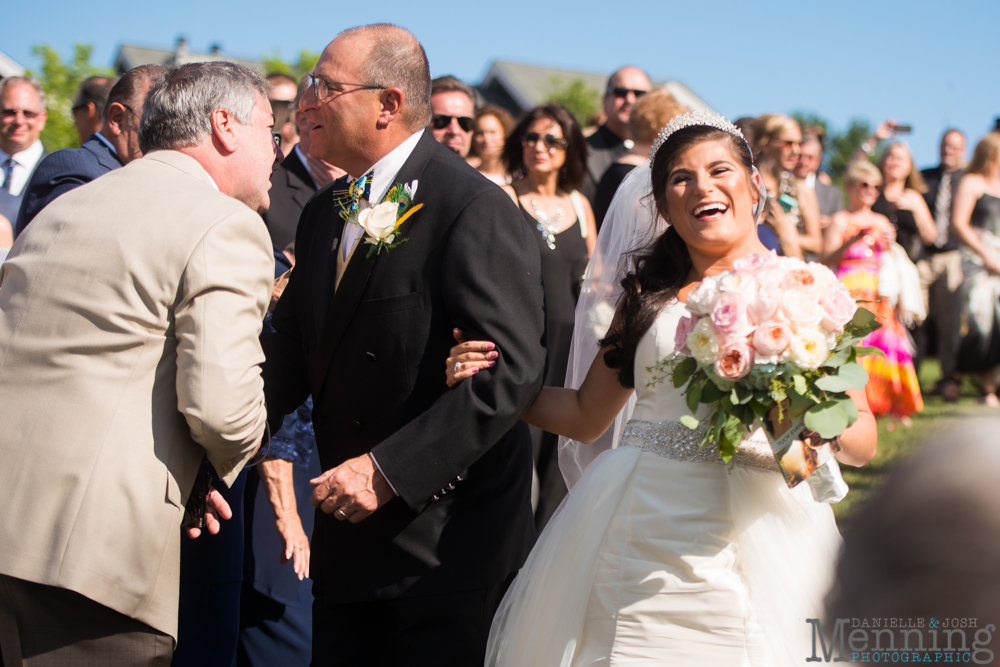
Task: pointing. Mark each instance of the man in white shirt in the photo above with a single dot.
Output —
(22, 119)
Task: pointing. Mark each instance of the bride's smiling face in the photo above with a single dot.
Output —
(708, 197)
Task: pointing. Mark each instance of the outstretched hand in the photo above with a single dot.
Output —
(468, 358)
(217, 508)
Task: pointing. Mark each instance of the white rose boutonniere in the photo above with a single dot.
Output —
(381, 222)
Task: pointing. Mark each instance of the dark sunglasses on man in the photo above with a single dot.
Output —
(552, 142)
(441, 121)
(618, 91)
(12, 113)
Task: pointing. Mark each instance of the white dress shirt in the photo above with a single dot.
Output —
(24, 164)
(385, 171)
(383, 178)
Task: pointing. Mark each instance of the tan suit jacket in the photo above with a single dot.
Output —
(130, 311)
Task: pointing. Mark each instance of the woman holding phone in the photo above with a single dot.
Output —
(853, 247)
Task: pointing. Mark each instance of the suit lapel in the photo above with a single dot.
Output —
(105, 157)
(359, 268)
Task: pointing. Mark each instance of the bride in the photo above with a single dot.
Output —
(662, 554)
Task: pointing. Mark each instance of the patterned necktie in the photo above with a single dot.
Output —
(8, 173)
(942, 209)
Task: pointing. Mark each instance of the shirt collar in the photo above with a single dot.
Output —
(303, 160)
(385, 170)
(104, 140)
(28, 157)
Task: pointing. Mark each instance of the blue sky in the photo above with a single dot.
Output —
(928, 64)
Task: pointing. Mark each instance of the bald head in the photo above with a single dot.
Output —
(624, 87)
(395, 59)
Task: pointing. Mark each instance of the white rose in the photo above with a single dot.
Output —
(801, 310)
(702, 299)
(825, 278)
(740, 283)
(380, 221)
(809, 349)
(704, 342)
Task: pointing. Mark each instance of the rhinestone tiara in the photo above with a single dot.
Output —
(708, 118)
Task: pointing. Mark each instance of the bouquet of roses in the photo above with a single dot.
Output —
(775, 340)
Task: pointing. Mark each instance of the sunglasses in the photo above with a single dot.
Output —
(552, 142)
(12, 113)
(868, 186)
(441, 121)
(276, 136)
(618, 91)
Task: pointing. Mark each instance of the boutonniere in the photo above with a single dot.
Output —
(381, 222)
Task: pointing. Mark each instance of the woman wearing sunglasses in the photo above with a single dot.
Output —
(546, 154)
(855, 243)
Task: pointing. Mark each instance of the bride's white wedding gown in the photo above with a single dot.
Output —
(664, 555)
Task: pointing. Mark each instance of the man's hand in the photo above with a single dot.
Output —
(352, 490)
(217, 507)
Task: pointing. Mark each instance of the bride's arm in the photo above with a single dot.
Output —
(857, 444)
(583, 414)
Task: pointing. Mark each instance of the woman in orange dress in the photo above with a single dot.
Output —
(853, 247)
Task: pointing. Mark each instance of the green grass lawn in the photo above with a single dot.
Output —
(896, 440)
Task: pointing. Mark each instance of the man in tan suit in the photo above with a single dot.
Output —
(130, 311)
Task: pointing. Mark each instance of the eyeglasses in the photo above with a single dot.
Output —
(441, 121)
(618, 91)
(276, 135)
(785, 143)
(552, 142)
(321, 87)
(868, 186)
(28, 115)
(78, 107)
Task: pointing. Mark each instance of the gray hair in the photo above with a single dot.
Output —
(179, 106)
(397, 60)
(31, 81)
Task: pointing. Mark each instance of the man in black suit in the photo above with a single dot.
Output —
(612, 140)
(296, 179)
(426, 513)
(115, 145)
(940, 268)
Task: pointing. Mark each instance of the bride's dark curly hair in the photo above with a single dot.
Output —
(662, 267)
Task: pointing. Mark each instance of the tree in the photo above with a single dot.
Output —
(275, 64)
(844, 145)
(581, 100)
(59, 81)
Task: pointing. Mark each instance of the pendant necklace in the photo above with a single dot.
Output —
(547, 229)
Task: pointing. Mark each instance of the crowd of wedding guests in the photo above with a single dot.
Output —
(923, 247)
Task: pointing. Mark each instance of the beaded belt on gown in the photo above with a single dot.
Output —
(674, 440)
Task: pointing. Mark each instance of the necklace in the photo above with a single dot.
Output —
(547, 229)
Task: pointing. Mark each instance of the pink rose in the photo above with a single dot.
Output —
(754, 263)
(838, 309)
(734, 361)
(772, 338)
(731, 317)
(799, 309)
(802, 279)
(684, 327)
(768, 301)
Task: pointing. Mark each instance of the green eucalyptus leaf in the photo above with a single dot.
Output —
(711, 393)
(683, 371)
(801, 387)
(690, 422)
(851, 409)
(849, 376)
(758, 408)
(838, 358)
(868, 351)
(829, 419)
(863, 323)
(743, 394)
(693, 397)
(733, 431)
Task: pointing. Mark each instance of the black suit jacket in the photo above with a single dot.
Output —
(372, 357)
(291, 188)
(604, 147)
(62, 171)
(932, 177)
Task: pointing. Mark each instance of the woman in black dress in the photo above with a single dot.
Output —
(976, 222)
(902, 201)
(546, 154)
